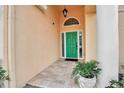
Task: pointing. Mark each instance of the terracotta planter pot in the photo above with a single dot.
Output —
(86, 82)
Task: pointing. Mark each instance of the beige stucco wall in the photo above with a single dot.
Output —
(1, 34)
(121, 41)
(73, 12)
(36, 41)
(90, 35)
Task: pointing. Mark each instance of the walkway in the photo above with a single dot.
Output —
(58, 75)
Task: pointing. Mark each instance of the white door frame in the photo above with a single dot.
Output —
(65, 44)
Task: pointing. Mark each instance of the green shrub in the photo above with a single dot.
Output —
(122, 66)
(116, 84)
(3, 74)
(87, 69)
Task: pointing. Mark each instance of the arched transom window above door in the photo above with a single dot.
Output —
(71, 21)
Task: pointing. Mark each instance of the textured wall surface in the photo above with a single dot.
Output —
(121, 41)
(90, 36)
(36, 41)
(73, 12)
(1, 34)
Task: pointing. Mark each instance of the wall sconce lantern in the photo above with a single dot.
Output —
(65, 11)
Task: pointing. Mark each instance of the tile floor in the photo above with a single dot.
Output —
(58, 75)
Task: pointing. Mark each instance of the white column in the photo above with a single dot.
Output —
(107, 43)
(11, 45)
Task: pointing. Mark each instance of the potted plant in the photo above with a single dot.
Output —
(3, 76)
(86, 73)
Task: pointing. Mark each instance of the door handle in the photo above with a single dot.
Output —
(76, 45)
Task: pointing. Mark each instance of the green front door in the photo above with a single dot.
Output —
(71, 45)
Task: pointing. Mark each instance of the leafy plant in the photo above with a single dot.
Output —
(87, 69)
(117, 84)
(122, 66)
(3, 74)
